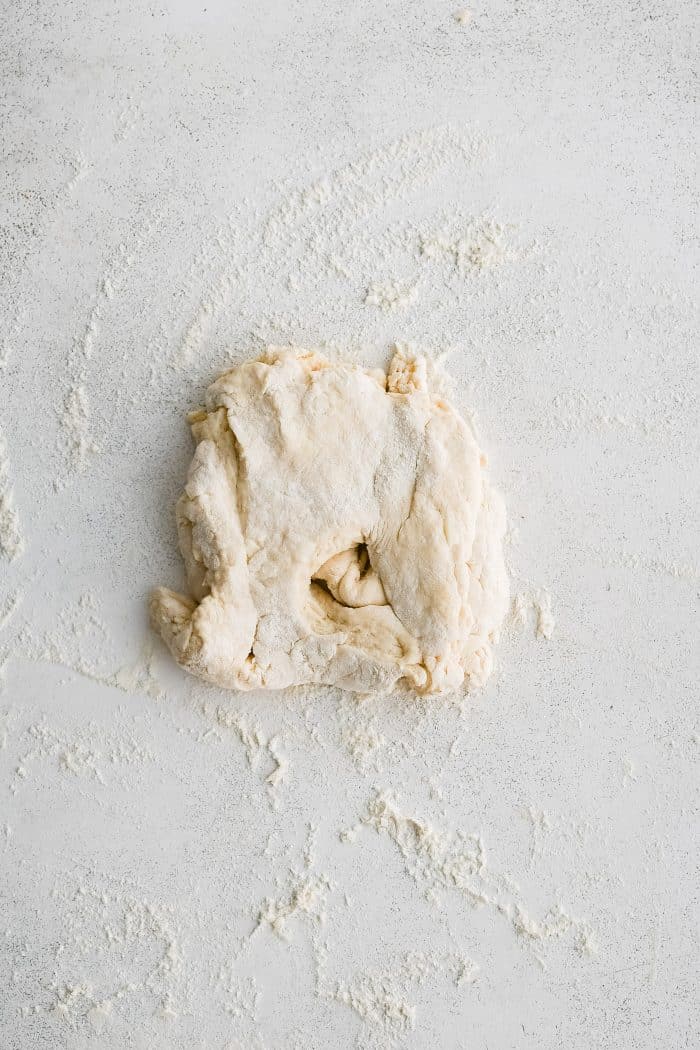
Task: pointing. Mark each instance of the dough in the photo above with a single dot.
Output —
(337, 527)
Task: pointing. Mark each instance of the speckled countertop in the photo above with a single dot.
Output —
(514, 192)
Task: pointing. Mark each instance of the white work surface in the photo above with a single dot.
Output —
(183, 184)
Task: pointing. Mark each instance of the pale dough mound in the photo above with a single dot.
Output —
(337, 528)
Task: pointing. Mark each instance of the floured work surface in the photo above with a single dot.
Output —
(512, 195)
(337, 528)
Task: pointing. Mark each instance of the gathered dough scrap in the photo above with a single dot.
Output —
(337, 528)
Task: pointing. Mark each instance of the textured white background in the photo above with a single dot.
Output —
(159, 222)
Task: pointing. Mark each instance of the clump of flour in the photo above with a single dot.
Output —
(11, 537)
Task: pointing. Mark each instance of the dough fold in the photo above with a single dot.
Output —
(337, 527)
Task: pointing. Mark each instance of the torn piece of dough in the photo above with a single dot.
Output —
(337, 528)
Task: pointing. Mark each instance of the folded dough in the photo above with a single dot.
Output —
(337, 527)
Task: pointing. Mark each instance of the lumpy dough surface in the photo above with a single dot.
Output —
(337, 528)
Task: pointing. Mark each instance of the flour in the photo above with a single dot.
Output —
(12, 542)
(261, 748)
(376, 178)
(379, 1001)
(240, 996)
(99, 1015)
(519, 610)
(541, 826)
(80, 167)
(657, 414)
(390, 295)
(197, 329)
(629, 771)
(382, 998)
(310, 239)
(464, 16)
(9, 607)
(540, 603)
(128, 120)
(125, 931)
(89, 753)
(437, 861)
(83, 632)
(483, 244)
(545, 620)
(643, 563)
(138, 677)
(275, 778)
(75, 414)
(6, 718)
(554, 925)
(76, 423)
(364, 743)
(306, 897)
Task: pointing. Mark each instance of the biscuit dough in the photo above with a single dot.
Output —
(337, 527)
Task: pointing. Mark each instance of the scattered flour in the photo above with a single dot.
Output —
(240, 995)
(9, 607)
(261, 748)
(12, 541)
(541, 826)
(303, 894)
(655, 414)
(390, 295)
(8, 719)
(519, 609)
(540, 602)
(128, 120)
(80, 168)
(379, 176)
(75, 414)
(437, 861)
(364, 743)
(383, 998)
(88, 752)
(76, 423)
(629, 771)
(544, 627)
(305, 897)
(83, 631)
(464, 16)
(314, 237)
(140, 676)
(644, 563)
(482, 245)
(379, 1000)
(107, 928)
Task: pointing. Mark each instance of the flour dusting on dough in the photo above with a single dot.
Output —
(338, 527)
